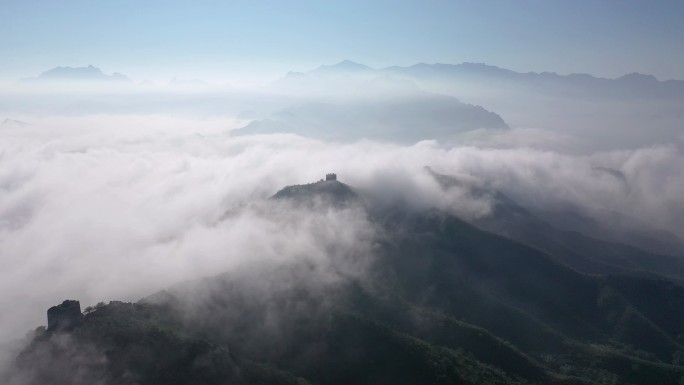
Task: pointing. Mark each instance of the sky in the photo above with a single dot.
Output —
(157, 40)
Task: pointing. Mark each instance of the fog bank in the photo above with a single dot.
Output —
(104, 207)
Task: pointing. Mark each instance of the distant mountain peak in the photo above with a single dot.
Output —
(71, 71)
(350, 64)
(638, 77)
(346, 66)
(328, 190)
(87, 73)
(477, 65)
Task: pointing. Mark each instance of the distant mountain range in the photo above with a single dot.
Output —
(77, 74)
(629, 85)
(92, 74)
(627, 112)
(639, 84)
(349, 101)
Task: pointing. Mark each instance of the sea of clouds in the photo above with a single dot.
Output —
(115, 207)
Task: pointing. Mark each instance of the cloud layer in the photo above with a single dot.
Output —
(116, 207)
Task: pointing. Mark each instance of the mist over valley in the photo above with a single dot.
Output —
(196, 215)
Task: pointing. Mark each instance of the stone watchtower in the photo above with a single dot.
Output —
(64, 317)
(331, 176)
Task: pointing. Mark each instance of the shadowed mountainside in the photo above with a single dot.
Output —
(441, 301)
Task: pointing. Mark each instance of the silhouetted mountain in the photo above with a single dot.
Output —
(440, 302)
(79, 74)
(345, 66)
(340, 80)
(606, 113)
(330, 192)
(631, 85)
(439, 70)
(406, 118)
(634, 85)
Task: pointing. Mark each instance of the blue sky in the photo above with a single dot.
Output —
(154, 39)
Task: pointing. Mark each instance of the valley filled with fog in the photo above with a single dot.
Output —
(113, 189)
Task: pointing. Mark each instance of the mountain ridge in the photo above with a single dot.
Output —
(633, 84)
(484, 68)
(87, 73)
(441, 301)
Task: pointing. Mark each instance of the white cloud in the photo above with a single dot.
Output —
(115, 207)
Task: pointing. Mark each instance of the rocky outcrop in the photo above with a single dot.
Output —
(65, 316)
(329, 191)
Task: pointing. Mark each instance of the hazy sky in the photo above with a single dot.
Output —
(158, 39)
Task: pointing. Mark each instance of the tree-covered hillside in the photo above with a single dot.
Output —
(436, 301)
